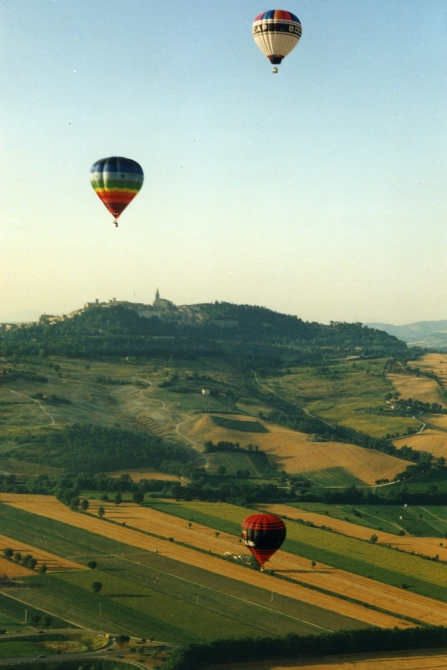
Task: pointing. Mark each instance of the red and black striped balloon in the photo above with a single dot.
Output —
(263, 534)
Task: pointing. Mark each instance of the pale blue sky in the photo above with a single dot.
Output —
(320, 191)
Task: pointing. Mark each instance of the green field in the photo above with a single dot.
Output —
(342, 393)
(256, 464)
(360, 557)
(12, 615)
(334, 477)
(420, 521)
(148, 595)
(433, 479)
(13, 649)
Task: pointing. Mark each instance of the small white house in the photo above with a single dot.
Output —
(205, 392)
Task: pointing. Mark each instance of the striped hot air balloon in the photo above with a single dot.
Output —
(276, 33)
(116, 182)
(263, 534)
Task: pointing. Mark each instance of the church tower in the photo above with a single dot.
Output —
(157, 297)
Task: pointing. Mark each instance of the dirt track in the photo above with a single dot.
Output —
(429, 659)
(336, 581)
(425, 546)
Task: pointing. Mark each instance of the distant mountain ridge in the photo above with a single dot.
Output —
(430, 334)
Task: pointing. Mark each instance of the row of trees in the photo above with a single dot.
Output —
(27, 560)
(296, 646)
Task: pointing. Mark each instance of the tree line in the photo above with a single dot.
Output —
(363, 640)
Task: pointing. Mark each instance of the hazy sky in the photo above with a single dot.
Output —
(319, 191)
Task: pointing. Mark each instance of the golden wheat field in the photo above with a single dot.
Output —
(335, 581)
(417, 388)
(432, 440)
(429, 659)
(294, 453)
(53, 563)
(436, 363)
(12, 569)
(425, 546)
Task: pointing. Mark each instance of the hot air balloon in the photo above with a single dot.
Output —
(276, 33)
(116, 181)
(263, 534)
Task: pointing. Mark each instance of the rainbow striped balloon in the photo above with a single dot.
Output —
(116, 182)
(276, 33)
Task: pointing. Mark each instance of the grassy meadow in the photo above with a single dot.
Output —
(343, 393)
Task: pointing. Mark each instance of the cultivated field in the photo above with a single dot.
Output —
(335, 581)
(297, 568)
(149, 594)
(424, 546)
(436, 363)
(417, 388)
(295, 453)
(343, 394)
(145, 473)
(53, 563)
(304, 544)
(428, 659)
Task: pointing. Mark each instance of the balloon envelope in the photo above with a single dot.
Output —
(116, 182)
(276, 33)
(263, 534)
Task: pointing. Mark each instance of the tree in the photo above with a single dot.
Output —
(96, 587)
(8, 553)
(118, 498)
(47, 620)
(43, 568)
(84, 505)
(138, 497)
(34, 619)
(101, 511)
(373, 539)
(92, 565)
(221, 470)
(17, 556)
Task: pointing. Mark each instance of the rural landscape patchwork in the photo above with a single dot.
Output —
(133, 448)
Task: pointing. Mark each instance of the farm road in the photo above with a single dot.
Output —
(336, 582)
(39, 403)
(177, 424)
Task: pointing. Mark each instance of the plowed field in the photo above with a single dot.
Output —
(425, 546)
(53, 563)
(333, 580)
(405, 660)
(294, 453)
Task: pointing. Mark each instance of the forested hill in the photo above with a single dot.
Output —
(120, 331)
